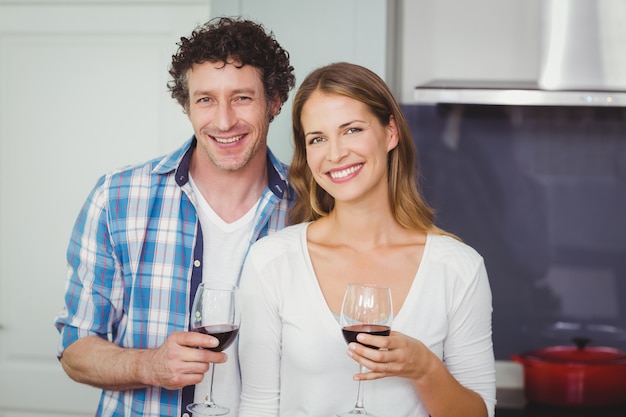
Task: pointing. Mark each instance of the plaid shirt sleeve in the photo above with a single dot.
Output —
(93, 290)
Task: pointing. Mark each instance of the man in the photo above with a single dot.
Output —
(149, 234)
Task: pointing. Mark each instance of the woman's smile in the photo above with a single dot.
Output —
(341, 174)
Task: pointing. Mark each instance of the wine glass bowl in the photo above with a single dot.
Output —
(225, 333)
(365, 309)
(215, 312)
(350, 332)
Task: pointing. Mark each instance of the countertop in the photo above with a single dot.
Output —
(512, 403)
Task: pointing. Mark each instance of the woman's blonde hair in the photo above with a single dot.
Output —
(359, 83)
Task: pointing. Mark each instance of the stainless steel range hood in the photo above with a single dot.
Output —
(512, 93)
(583, 62)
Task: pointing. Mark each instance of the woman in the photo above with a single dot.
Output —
(359, 218)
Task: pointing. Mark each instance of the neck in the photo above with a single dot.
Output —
(362, 225)
(230, 193)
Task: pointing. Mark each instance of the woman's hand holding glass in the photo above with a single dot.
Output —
(365, 309)
(397, 355)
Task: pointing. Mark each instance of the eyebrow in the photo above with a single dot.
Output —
(341, 126)
(312, 133)
(246, 91)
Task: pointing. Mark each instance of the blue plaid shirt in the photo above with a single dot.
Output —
(135, 259)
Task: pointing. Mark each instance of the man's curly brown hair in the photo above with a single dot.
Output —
(226, 39)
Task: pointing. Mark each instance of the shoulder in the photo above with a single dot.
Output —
(279, 242)
(453, 255)
(275, 258)
(281, 249)
(136, 185)
(145, 174)
(447, 246)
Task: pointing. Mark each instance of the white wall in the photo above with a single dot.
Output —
(82, 91)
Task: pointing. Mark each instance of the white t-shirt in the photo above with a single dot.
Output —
(225, 247)
(292, 352)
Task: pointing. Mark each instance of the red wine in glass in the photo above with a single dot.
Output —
(215, 312)
(350, 332)
(365, 309)
(225, 333)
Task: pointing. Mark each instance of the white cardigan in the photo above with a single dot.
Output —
(292, 353)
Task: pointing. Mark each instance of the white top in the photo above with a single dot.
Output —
(292, 352)
(225, 244)
(225, 247)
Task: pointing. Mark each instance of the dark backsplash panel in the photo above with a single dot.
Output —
(540, 192)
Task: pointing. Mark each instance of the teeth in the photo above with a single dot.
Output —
(345, 172)
(228, 140)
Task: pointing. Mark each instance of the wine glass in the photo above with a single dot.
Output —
(215, 312)
(365, 309)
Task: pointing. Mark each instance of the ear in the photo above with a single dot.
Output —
(275, 106)
(392, 134)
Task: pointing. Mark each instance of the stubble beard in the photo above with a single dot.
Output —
(238, 160)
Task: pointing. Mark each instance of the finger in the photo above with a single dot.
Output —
(375, 355)
(374, 360)
(194, 368)
(381, 342)
(204, 356)
(181, 380)
(374, 371)
(193, 339)
(209, 356)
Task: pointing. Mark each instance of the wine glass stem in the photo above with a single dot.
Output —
(209, 398)
(359, 397)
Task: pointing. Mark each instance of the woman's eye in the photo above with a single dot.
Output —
(353, 130)
(315, 140)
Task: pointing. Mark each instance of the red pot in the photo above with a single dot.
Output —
(574, 376)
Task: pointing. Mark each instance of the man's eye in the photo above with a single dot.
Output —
(204, 100)
(244, 98)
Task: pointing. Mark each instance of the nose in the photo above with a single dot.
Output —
(335, 150)
(225, 116)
